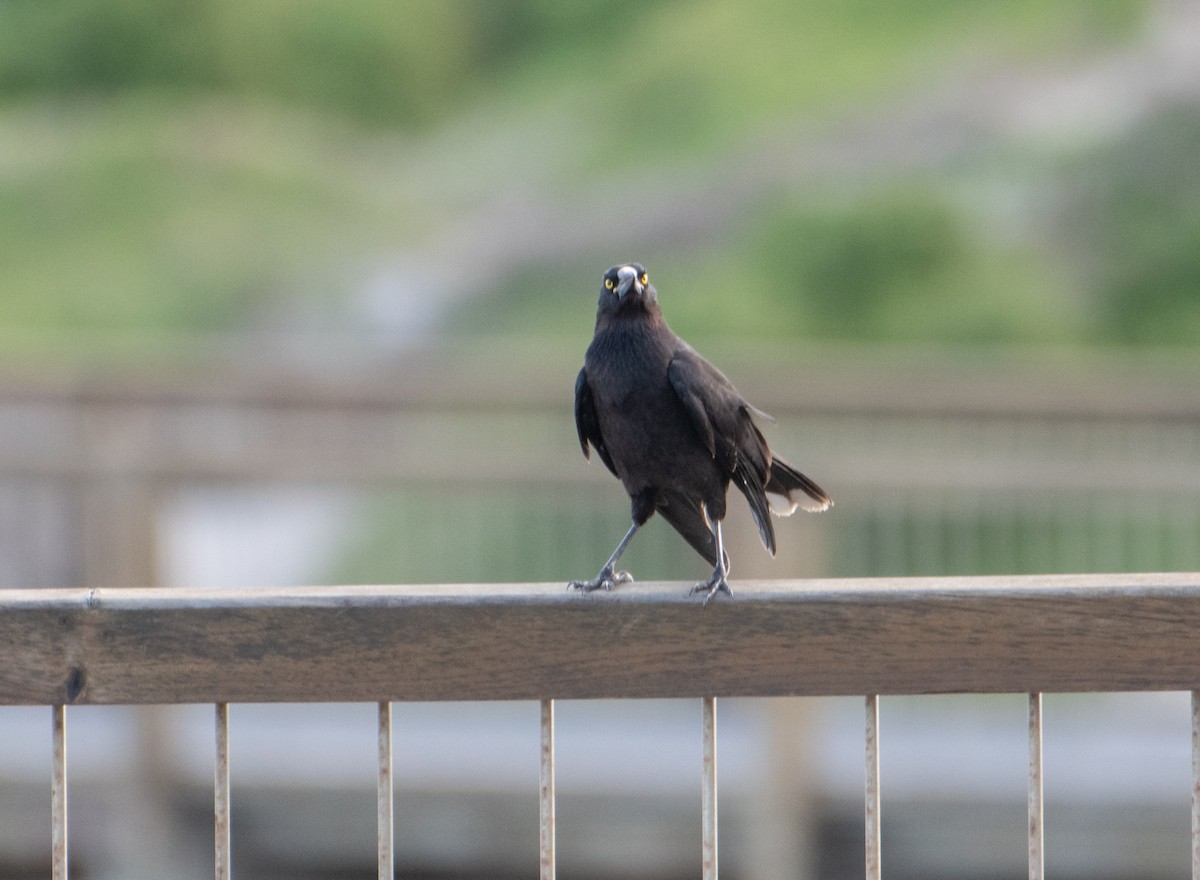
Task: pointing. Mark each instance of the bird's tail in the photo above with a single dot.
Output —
(785, 481)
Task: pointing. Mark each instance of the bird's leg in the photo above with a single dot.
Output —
(716, 583)
(609, 577)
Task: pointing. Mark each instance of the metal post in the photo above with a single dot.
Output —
(384, 797)
(221, 794)
(384, 828)
(872, 789)
(1036, 853)
(546, 793)
(709, 790)
(1196, 785)
(58, 794)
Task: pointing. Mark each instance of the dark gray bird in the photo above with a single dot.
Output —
(674, 431)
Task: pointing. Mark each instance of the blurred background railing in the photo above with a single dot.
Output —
(454, 463)
(456, 467)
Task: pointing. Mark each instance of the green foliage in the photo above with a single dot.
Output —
(375, 61)
(902, 265)
(845, 266)
(696, 77)
(167, 164)
(372, 60)
(60, 46)
(1135, 220)
(148, 220)
(679, 74)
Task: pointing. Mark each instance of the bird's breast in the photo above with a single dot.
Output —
(650, 436)
(648, 433)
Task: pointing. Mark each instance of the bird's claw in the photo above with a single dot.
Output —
(606, 580)
(712, 586)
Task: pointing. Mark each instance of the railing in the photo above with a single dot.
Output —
(538, 642)
(940, 464)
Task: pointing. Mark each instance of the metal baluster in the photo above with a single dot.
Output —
(1196, 785)
(872, 789)
(221, 794)
(384, 829)
(709, 791)
(546, 793)
(58, 794)
(1037, 865)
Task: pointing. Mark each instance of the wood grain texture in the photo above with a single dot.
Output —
(532, 641)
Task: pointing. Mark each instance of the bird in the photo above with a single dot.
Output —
(675, 432)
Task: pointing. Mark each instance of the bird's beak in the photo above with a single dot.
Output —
(627, 278)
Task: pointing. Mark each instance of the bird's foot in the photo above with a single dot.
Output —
(606, 580)
(712, 586)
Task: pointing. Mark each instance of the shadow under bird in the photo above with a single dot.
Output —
(675, 432)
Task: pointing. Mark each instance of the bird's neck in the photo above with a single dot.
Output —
(631, 348)
(634, 315)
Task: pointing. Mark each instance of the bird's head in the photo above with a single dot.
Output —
(625, 285)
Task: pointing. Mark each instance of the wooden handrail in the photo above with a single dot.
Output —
(1115, 632)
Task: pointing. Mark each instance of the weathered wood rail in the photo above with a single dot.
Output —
(538, 641)
(533, 641)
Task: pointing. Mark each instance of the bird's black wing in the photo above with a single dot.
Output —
(724, 419)
(586, 422)
(714, 405)
(721, 417)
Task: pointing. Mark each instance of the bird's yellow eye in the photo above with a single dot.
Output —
(645, 279)
(608, 284)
